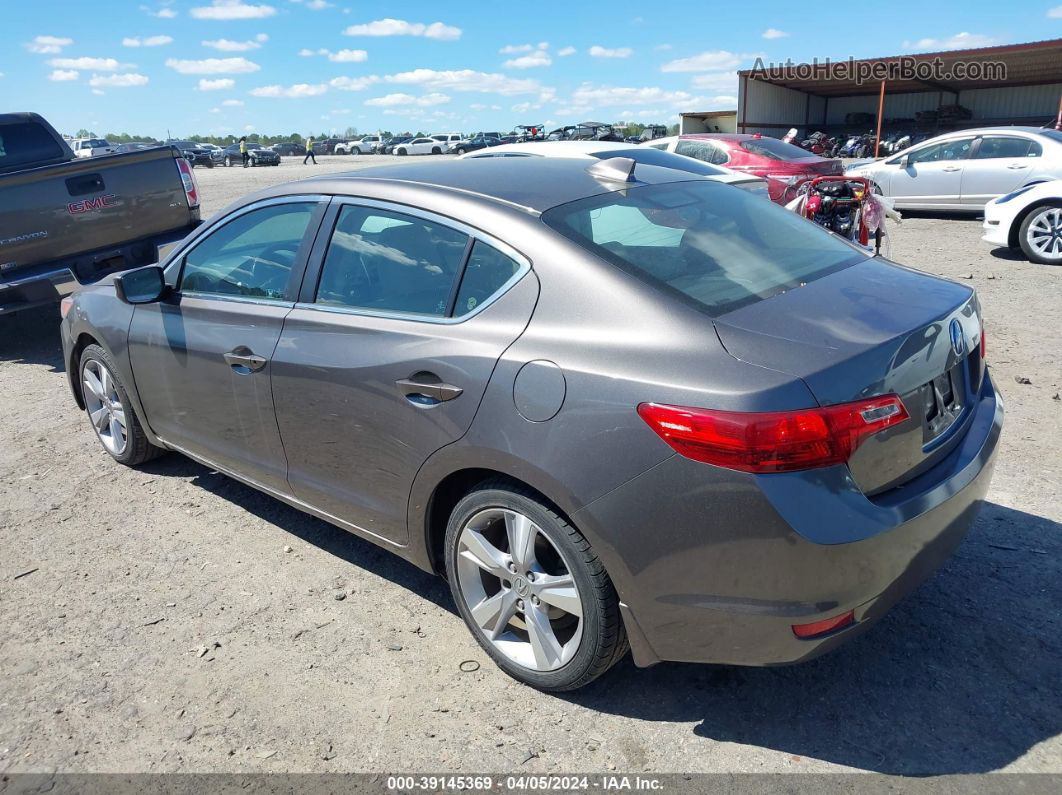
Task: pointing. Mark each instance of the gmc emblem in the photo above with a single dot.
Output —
(88, 205)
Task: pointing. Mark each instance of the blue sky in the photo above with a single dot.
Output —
(279, 66)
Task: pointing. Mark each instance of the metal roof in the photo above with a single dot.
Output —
(1030, 63)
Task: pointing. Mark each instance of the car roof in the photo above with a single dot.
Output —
(982, 130)
(530, 184)
(551, 149)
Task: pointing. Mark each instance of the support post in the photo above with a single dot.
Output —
(881, 110)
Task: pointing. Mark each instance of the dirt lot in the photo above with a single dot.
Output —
(154, 619)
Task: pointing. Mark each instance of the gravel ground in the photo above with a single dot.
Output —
(171, 619)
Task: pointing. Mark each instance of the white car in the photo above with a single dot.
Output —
(1029, 218)
(362, 146)
(448, 140)
(960, 171)
(421, 146)
(90, 147)
(648, 155)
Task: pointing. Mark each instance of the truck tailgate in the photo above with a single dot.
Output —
(57, 211)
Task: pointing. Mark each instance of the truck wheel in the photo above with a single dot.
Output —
(531, 589)
(1040, 234)
(109, 410)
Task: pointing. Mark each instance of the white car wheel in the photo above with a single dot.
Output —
(1040, 234)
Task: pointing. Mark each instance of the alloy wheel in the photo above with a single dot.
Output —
(104, 406)
(519, 590)
(1044, 233)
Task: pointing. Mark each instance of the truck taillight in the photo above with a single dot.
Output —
(773, 441)
(191, 189)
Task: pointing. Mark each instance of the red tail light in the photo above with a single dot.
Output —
(983, 346)
(773, 441)
(824, 626)
(191, 189)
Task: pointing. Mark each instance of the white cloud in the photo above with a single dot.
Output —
(296, 91)
(213, 66)
(1055, 13)
(589, 95)
(707, 61)
(339, 56)
(392, 100)
(221, 84)
(228, 45)
(98, 92)
(48, 45)
(232, 9)
(715, 81)
(399, 27)
(465, 80)
(610, 52)
(662, 47)
(118, 81)
(353, 83)
(564, 52)
(513, 49)
(537, 58)
(147, 41)
(60, 75)
(99, 64)
(960, 41)
(162, 13)
(774, 33)
(233, 103)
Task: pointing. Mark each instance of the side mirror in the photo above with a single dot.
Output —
(903, 161)
(141, 286)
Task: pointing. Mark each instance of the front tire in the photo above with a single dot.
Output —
(461, 150)
(109, 410)
(228, 162)
(531, 589)
(1040, 234)
(401, 152)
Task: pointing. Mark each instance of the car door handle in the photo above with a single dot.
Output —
(951, 168)
(1018, 165)
(427, 385)
(243, 357)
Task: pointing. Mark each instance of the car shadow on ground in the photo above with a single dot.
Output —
(32, 337)
(962, 677)
(944, 215)
(1008, 254)
(327, 537)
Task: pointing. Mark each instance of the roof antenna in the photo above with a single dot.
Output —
(614, 169)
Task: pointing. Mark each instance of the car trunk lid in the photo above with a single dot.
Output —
(874, 329)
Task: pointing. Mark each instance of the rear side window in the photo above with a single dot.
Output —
(24, 143)
(389, 262)
(774, 149)
(251, 255)
(1005, 146)
(654, 157)
(705, 243)
(702, 150)
(487, 272)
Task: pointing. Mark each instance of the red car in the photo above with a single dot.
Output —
(783, 165)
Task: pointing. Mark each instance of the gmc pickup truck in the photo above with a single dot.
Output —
(67, 221)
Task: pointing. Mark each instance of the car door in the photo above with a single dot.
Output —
(932, 176)
(201, 356)
(386, 356)
(998, 165)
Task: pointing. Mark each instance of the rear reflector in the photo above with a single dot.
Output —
(824, 626)
(191, 188)
(773, 441)
(983, 343)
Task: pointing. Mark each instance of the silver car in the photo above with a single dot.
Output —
(963, 170)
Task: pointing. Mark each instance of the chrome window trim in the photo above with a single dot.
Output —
(237, 299)
(442, 220)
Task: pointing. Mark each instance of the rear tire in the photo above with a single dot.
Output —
(436, 150)
(567, 638)
(401, 152)
(228, 161)
(1040, 234)
(109, 410)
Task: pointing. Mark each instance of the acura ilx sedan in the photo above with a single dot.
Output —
(615, 405)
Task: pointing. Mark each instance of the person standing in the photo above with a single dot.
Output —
(309, 152)
(243, 152)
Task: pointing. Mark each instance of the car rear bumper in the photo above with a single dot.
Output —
(710, 569)
(39, 285)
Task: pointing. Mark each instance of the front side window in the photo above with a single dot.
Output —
(1006, 146)
(252, 255)
(390, 262)
(702, 242)
(957, 149)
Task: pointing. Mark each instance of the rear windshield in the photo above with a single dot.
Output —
(24, 143)
(775, 149)
(715, 247)
(655, 157)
